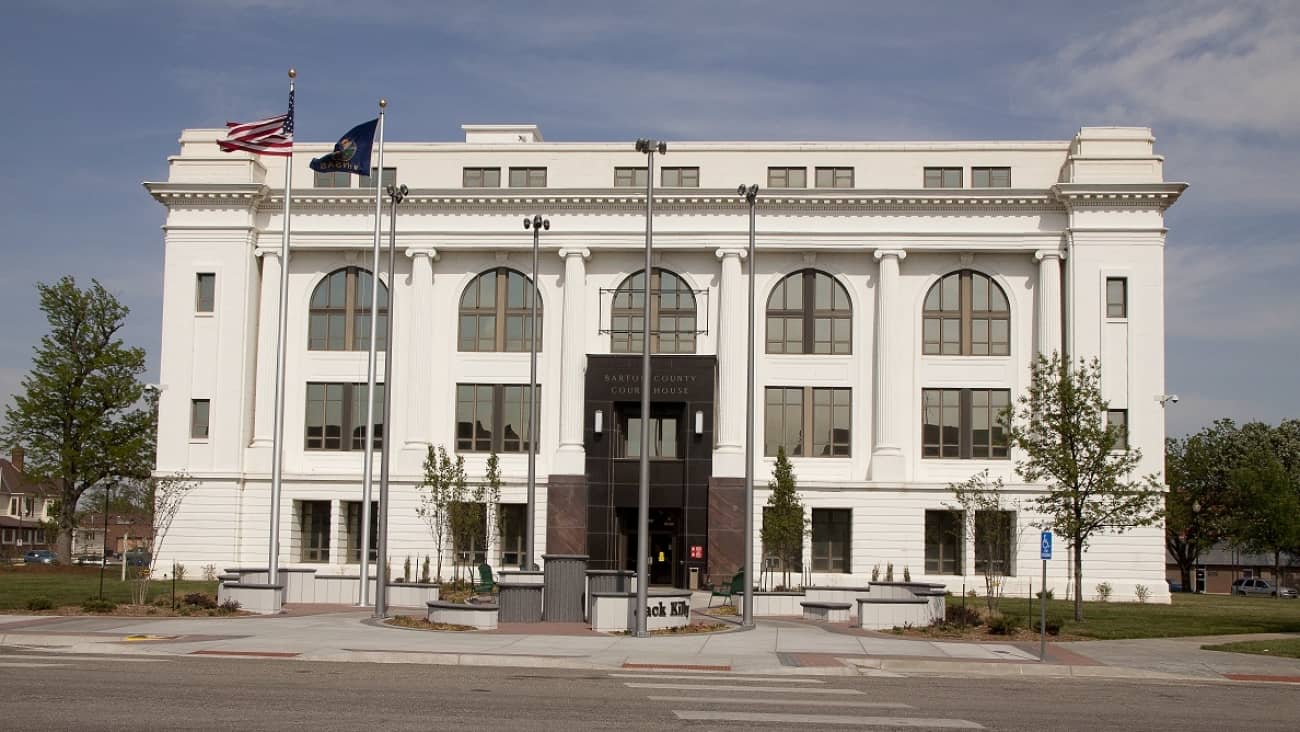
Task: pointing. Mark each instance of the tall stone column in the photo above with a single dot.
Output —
(416, 392)
(269, 304)
(729, 458)
(570, 459)
(891, 398)
(1049, 300)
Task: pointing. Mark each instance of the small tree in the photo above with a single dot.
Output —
(163, 496)
(491, 496)
(82, 414)
(784, 525)
(1059, 427)
(436, 496)
(989, 518)
(1198, 505)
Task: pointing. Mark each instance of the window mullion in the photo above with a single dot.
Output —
(964, 297)
(651, 286)
(499, 308)
(964, 432)
(809, 314)
(498, 417)
(805, 429)
(349, 309)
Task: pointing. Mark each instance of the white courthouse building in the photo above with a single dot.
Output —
(902, 290)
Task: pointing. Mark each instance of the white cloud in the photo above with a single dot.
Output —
(1238, 291)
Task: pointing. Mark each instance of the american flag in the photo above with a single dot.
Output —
(270, 136)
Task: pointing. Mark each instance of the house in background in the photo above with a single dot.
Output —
(1219, 566)
(24, 505)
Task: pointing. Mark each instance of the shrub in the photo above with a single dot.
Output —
(875, 573)
(229, 606)
(210, 573)
(1053, 626)
(1143, 593)
(96, 605)
(962, 615)
(1039, 594)
(1103, 591)
(424, 570)
(179, 571)
(889, 572)
(406, 568)
(907, 574)
(40, 602)
(1003, 624)
(200, 599)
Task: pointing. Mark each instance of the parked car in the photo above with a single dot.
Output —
(40, 556)
(1257, 586)
(138, 558)
(1174, 586)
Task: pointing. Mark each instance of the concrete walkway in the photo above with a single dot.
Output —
(772, 647)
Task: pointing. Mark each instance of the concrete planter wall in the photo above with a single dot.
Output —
(770, 604)
(822, 593)
(263, 599)
(879, 614)
(612, 612)
(412, 594)
(482, 617)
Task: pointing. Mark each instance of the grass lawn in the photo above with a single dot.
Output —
(1188, 615)
(1289, 647)
(71, 585)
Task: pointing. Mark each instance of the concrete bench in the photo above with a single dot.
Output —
(830, 612)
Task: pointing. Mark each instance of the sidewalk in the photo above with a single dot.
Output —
(772, 647)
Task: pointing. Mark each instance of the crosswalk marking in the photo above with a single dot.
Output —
(733, 687)
(5, 664)
(783, 702)
(699, 677)
(826, 719)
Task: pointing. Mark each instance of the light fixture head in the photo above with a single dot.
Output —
(599, 421)
(1165, 399)
(546, 224)
(528, 223)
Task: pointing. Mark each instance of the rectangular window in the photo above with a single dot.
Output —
(199, 418)
(528, 177)
(333, 179)
(665, 434)
(680, 177)
(353, 509)
(629, 177)
(205, 292)
(943, 177)
(963, 423)
(832, 535)
(1117, 297)
(481, 177)
(807, 421)
(314, 531)
(335, 410)
(990, 178)
(787, 177)
(1118, 418)
(993, 533)
(389, 178)
(493, 417)
(943, 542)
(511, 527)
(834, 177)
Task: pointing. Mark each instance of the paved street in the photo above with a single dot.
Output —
(46, 691)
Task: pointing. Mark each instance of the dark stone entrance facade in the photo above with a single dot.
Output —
(681, 462)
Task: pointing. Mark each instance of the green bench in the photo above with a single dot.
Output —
(729, 590)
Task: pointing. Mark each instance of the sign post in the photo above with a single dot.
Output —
(1046, 554)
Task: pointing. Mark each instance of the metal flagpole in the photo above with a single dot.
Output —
(277, 436)
(368, 462)
(395, 195)
(643, 504)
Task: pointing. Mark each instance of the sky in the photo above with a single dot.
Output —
(95, 96)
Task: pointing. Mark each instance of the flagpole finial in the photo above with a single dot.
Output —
(383, 103)
(293, 73)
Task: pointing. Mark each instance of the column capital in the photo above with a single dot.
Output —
(262, 252)
(737, 252)
(429, 252)
(583, 252)
(880, 254)
(1042, 254)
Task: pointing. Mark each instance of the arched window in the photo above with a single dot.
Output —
(966, 314)
(340, 312)
(496, 297)
(672, 314)
(809, 312)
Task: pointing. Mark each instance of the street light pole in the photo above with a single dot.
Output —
(536, 223)
(395, 194)
(649, 147)
(750, 193)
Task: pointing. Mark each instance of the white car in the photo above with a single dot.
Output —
(1256, 586)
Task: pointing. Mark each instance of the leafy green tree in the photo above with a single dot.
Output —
(1265, 516)
(784, 524)
(444, 479)
(1059, 427)
(1198, 470)
(82, 416)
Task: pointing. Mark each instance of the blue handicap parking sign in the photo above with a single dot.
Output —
(1047, 545)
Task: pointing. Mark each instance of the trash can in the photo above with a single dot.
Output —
(566, 587)
(694, 581)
